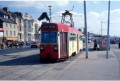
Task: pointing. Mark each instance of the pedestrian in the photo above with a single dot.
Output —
(0, 45)
(95, 44)
(119, 43)
(3, 45)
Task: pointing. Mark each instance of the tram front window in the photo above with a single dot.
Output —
(49, 37)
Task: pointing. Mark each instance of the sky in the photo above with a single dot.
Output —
(97, 12)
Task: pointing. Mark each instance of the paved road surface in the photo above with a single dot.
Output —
(25, 65)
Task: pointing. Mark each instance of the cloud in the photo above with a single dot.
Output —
(114, 16)
(77, 18)
(95, 14)
(35, 3)
(81, 1)
(94, 20)
(95, 2)
(59, 13)
(115, 21)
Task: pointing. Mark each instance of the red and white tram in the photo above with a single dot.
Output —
(59, 41)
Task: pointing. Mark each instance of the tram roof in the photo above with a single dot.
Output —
(59, 27)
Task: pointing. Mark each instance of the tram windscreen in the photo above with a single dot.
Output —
(49, 37)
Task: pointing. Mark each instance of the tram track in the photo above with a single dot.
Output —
(44, 73)
(58, 69)
(27, 62)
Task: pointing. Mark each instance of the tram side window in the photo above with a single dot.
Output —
(80, 37)
(72, 36)
(49, 37)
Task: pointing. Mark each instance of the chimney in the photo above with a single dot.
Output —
(5, 9)
(79, 29)
(20, 14)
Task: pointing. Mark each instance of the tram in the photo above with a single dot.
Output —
(59, 41)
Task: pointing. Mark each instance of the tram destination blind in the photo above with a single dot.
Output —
(49, 27)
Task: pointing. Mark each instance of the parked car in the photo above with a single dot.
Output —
(113, 42)
(34, 45)
(119, 43)
(27, 43)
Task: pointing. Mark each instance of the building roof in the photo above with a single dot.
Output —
(7, 20)
(2, 11)
(18, 14)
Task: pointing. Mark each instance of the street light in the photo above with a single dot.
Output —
(86, 33)
(50, 12)
(108, 37)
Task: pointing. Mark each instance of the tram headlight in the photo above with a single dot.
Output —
(55, 48)
(41, 48)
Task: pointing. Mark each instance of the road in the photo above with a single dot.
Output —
(24, 64)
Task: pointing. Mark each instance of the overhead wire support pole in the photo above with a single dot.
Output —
(86, 34)
(108, 36)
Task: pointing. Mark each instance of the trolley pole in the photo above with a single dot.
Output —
(86, 34)
(108, 37)
(50, 12)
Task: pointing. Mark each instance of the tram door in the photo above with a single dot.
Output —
(63, 44)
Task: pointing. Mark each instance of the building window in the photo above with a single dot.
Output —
(6, 33)
(20, 28)
(10, 25)
(6, 24)
(14, 26)
(10, 33)
(14, 33)
(32, 30)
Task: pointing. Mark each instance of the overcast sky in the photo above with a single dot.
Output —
(97, 11)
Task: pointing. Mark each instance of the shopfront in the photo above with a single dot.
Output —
(11, 38)
(1, 36)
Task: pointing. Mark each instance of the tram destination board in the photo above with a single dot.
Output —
(49, 27)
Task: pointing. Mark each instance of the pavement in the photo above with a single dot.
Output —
(96, 67)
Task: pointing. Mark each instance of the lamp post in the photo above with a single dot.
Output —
(50, 12)
(86, 33)
(108, 37)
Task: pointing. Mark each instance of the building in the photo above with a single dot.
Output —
(37, 25)
(4, 15)
(31, 27)
(8, 25)
(20, 24)
(28, 28)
